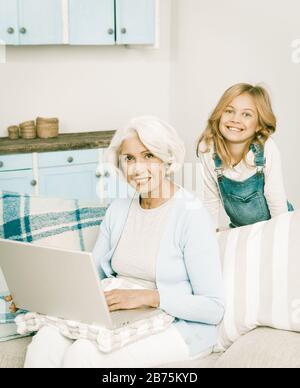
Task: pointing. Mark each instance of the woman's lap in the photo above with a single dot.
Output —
(50, 349)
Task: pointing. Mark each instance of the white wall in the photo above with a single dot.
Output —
(88, 88)
(217, 43)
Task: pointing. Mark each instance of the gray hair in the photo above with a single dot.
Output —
(160, 138)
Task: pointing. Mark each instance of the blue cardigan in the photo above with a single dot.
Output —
(188, 269)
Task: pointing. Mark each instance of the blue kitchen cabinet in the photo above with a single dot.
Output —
(77, 22)
(69, 174)
(91, 22)
(111, 22)
(9, 28)
(18, 181)
(135, 21)
(40, 22)
(31, 22)
(79, 174)
(74, 174)
(16, 173)
(71, 182)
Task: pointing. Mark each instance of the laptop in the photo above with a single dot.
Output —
(61, 283)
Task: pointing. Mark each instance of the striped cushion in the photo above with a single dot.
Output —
(67, 224)
(261, 267)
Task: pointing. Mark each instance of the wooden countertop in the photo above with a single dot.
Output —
(64, 142)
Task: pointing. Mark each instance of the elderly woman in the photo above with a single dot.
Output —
(161, 239)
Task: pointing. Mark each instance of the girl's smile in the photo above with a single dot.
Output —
(235, 129)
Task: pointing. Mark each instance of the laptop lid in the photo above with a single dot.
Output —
(54, 282)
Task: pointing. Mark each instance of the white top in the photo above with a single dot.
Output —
(274, 186)
(135, 256)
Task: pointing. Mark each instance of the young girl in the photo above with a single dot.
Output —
(241, 162)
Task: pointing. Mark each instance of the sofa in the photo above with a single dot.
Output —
(261, 267)
(261, 348)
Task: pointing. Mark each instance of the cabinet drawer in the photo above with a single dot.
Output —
(68, 158)
(15, 162)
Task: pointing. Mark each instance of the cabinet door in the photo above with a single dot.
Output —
(40, 22)
(9, 31)
(91, 22)
(18, 181)
(112, 185)
(135, 21)
(73, 182)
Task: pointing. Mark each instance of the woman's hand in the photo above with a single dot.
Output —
(13, 309)
(131, 299)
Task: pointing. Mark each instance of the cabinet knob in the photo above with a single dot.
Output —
(1, 164)
(110, 31)
(105, 175)
(33, 182)
(23, 30)
(10, 30)
(123, 30)
(70, 159)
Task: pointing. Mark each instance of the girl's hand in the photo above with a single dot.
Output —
(13, 309)
(131, 299)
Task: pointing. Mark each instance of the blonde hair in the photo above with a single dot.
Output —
(159, 137)
(266, 121)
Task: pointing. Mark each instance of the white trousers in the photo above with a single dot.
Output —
(50, 349)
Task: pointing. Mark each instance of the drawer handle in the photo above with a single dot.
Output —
(33, 182)
(1, 164)
(70, 159)
(106, 175)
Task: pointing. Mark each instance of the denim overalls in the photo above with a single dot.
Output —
(245, 202)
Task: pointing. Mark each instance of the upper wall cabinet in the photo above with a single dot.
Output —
(91, 22)
(135, 21)
(31, 22)
(9, 28)
(40, 21)
(112, 21)
(77, 22)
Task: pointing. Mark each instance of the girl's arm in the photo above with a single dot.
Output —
(210, 193)
(274, 186)
(205, 303)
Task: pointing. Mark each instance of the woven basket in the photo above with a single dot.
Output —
(27, 124)
(41, 120)
(47, 128)
(28, 130)
(13, 132)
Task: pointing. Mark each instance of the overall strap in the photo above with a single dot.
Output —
(218, 165)
(259, 156)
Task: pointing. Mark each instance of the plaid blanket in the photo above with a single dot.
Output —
(105, 339)
(67, 224)
(31, 219)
